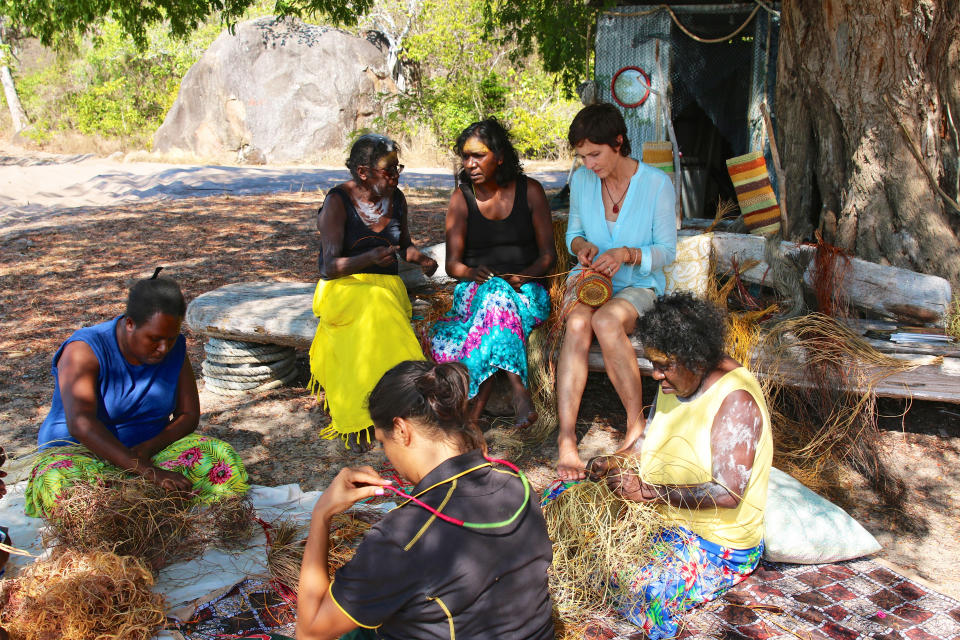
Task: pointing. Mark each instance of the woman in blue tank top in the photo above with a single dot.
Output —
(124, 390)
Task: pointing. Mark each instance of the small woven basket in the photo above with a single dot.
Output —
(594, 289)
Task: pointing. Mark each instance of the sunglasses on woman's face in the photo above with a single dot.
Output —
(390, 172)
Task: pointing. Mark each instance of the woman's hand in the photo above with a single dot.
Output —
(621, 481)
(429, 266)
(481, 274)
(608, 262)
(516, 281)
(383, 256)
(628, 485)
(351, 485)
(587, 252)
(167, 480)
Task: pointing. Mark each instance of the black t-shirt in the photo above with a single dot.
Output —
(417, 576)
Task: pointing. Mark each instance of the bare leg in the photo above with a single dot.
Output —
(360, 442)
(571, 380)
(479, 401)
(612, 324)
(526, 412)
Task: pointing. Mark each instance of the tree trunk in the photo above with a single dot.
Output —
(17, 114)
(849, 165)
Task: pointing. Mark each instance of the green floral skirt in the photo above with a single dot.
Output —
(211, 465)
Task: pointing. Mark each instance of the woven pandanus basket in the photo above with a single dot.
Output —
(594, 289)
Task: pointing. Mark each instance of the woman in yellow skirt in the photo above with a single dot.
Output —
(362, 304)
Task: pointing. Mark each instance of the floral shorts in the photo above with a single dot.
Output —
(211, 465)
(686, 571)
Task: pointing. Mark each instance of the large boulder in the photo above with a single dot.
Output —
(281, 87)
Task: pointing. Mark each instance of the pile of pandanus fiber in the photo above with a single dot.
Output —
(818, 376)
(130, 516)
(77, 595)
(287, 538)
(599, 541)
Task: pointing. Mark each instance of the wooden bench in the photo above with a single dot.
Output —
(281, 313)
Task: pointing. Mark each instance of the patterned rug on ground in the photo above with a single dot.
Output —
(251, 609)
(844, 601)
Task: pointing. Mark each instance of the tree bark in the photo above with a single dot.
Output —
(849, 165)
(17, 114)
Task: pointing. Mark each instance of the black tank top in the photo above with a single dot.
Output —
(359, 238)
(505, 246)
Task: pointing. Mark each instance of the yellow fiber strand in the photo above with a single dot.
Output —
(596, 536)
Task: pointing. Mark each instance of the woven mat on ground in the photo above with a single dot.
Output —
(251, 609)
(844, 601)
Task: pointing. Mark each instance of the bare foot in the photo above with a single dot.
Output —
(526, 412)
(360, 442)
(569, 465)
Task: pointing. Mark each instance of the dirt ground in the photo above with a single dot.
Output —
(56, 279)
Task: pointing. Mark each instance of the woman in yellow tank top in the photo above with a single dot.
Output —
(704, 460)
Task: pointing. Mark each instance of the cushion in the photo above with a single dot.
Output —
(690, 271)
(804, 528)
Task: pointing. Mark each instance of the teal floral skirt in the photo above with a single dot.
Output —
(211, 465)
(488, 326)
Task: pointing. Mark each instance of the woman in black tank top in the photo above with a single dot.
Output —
(499, 242)
(363, 232)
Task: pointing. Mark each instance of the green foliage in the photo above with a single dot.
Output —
(461, 75)
(108, 86)
(561, 31)
(54, 21)
(118, 83)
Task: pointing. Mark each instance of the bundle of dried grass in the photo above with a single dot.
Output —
(287, 538)
(544, 344)
(596, 537)
(830, 267)
(130, 516)
(503, 440)
(79, 596)
(819, 379)
(952, 322)
(431, 307)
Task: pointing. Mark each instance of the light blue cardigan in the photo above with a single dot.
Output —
(647, 221)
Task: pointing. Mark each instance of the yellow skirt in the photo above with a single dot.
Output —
(364, 331)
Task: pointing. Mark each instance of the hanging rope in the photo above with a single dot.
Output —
(743, 26)
(676, 21)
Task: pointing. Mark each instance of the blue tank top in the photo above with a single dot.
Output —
(135, 401)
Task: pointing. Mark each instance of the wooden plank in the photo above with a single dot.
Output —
(899, 293)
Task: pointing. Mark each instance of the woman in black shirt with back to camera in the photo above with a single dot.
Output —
(469, 560)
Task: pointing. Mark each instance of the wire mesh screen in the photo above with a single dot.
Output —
(726, 80)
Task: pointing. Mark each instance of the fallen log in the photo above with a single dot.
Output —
(901, 294)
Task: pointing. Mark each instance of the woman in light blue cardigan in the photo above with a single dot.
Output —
(622, 224)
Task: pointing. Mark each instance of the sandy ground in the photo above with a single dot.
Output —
(75, 231)
(34, 186)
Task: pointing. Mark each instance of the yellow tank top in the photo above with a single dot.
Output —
(677, 451)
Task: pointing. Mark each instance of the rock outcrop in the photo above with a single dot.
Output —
(287, 89)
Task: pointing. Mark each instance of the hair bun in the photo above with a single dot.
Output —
(427, 384)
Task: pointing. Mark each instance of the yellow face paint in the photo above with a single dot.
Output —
(475, 146)
(390, 159)
(657, 355)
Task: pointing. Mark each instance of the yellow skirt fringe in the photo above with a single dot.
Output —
(364, 331)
